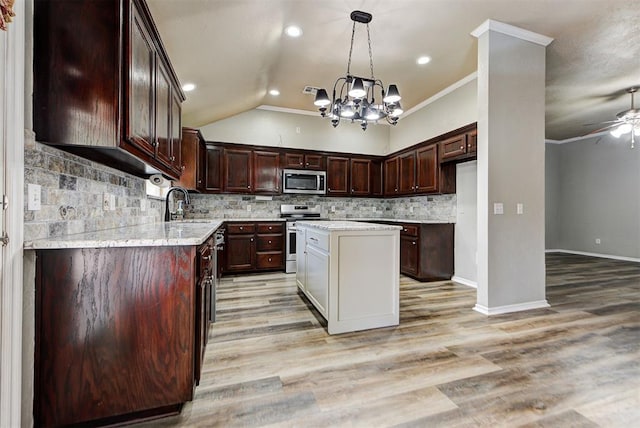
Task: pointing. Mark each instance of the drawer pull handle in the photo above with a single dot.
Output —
(270, 227)
(313, 239)
(269, 258)
(414, 242)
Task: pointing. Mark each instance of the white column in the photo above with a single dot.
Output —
(511, 107)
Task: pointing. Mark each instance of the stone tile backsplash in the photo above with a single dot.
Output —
(72, 190)
(435, 208)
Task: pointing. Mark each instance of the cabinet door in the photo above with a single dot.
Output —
(240, 252)
(294, 160)
(237, 170)
(472, 142)
(453, 147)
(301, 259)
(212, 174)
(407, 174)
(337, 175)
(314, 162)
(318, 278)
(176, 135)
(163, 104)
(266, 172)
(427, 169)
(139, 96)
(391, 176)
(409, 255)
(189, 146)
(360, 177)
(376, 178)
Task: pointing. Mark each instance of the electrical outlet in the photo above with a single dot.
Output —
(33, 197)
(375, 209)
(112, 202)
(598, 241)
(248, 207)
(498, 208)
(410, 209)
(333, 208)
(105, 201)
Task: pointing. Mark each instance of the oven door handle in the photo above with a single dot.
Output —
(292, 228)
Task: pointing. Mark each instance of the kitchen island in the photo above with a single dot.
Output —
(350, 271)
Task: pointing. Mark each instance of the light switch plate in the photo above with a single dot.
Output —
(105, 201)
(33, 194)
(498, 208)
(520, 208)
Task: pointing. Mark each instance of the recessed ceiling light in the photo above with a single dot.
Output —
(274, 92)
(423, 60)
(293, 31)
(188, 87)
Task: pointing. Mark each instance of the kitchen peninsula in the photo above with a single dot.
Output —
(350, 271)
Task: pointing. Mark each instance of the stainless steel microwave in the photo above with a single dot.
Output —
(304, 181)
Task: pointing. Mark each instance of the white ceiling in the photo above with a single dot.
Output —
(235, 51)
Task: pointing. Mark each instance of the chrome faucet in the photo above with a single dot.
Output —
(187, 201)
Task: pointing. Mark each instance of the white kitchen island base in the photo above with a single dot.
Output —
(350, 271)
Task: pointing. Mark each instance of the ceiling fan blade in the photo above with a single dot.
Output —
(602, 129)
(601, 123)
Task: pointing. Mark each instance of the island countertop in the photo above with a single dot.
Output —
(147, 235)
(332, 225)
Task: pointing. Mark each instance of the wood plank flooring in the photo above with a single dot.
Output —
(270, 362)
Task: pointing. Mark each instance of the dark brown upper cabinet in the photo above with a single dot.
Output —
(407, 173)
(391, 176)
(427, 169)
(238, 168)
(376, 177)
(213, 182)
(360, 177)
(295, 160)
(192, 157)
(104, 87)
(337, 176)
(266, 173)
(459, 147)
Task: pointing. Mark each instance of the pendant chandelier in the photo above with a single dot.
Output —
(354, 98)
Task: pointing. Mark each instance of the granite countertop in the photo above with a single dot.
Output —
(147, 235)
(333, 225)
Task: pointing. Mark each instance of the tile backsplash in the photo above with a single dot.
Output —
(72, 190)
(436, 207)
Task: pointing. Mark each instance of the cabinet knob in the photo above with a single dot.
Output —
(184, 167)
(172, 158)
(251, 239)
(241, 227)
(269, 258)
(404, 230)
(270, 227)
(414, 242)
(199, 181)
(307, 163)
(269, 242)
(396, 189)
(155, 143)
(461, 147)
(248, 187)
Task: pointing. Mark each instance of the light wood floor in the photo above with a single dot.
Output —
(269, 362)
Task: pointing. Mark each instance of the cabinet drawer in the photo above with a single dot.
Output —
(409, 230)
(270, 242)
(239, 228)
(318, 239)
(269, 260)
(270, 227)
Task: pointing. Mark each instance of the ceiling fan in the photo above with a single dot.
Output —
(626, 122)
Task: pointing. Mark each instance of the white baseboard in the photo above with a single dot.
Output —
(604, 256)
(464, 281)
(511, 308)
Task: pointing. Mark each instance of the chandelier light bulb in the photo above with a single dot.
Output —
(357, 88)
(393, 95)
(322, 99)
(347, 112)
(615, 132)
(372, 114)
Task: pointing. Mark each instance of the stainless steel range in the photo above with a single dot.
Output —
(292, 213)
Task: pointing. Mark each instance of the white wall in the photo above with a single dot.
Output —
(552, 196)
(466, 228)
(447, 112)
(279, 129)
(598, 197)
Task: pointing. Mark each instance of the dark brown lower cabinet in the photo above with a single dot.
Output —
(426, 251)
(115, 333)
(253, 247)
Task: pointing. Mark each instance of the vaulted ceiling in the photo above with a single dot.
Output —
(235, 51)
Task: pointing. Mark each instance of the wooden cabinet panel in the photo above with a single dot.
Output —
(453, 147)
(162, 109)
(270, 260)
(192, 156)
(270, 242)
(240, 228)
(407, 173)
(472, 141)
(140, 85)
(294, 160)
(409, 255)
(315, 162)
(175, 115)
(266, 172)
(213, 169)
(240, 252)
(376, 178)
(270, 227)
(427, 169)
(120, 345)
(391, 170)
(238, 167)
(337, 176)
(360, 175)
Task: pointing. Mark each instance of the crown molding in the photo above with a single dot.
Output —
(510, 30)
(446, 91)
(572, 139)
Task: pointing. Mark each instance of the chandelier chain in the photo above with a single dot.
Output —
(353, 34)
(370, 52)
